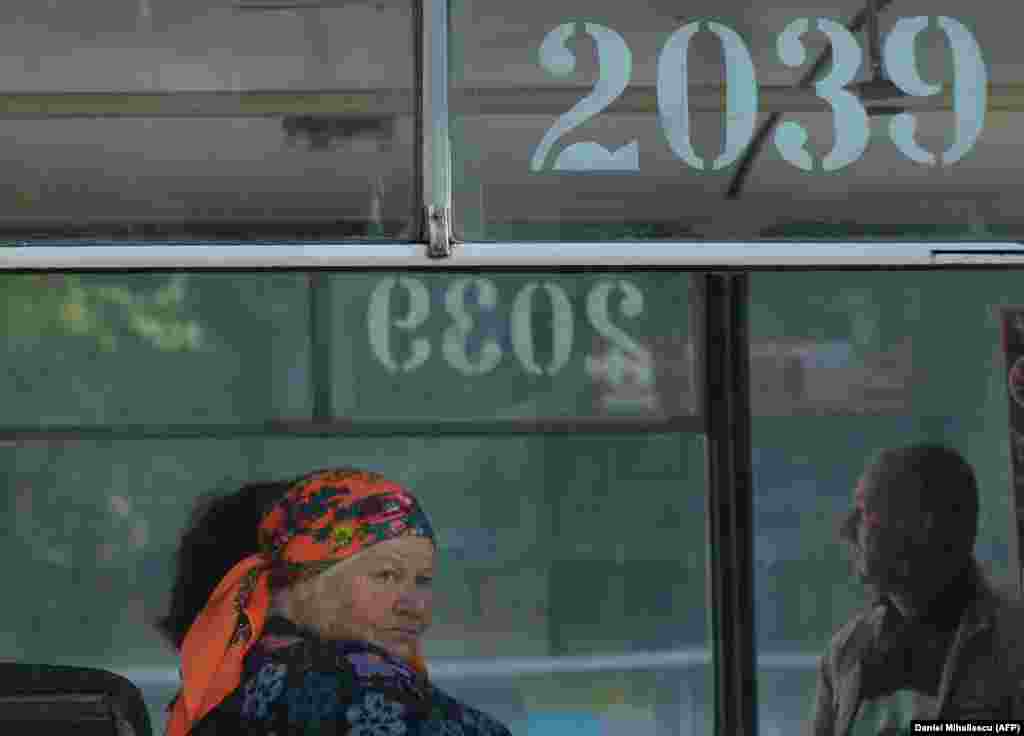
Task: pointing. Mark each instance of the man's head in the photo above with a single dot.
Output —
(915, 518)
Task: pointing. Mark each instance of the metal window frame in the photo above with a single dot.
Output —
(720, 308)
(703, 255)
(725, 380)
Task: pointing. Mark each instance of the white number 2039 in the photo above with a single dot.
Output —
(462, 326)
(850, 118)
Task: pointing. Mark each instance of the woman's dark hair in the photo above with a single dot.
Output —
(222, 530)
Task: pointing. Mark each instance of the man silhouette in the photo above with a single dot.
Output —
(938, 642)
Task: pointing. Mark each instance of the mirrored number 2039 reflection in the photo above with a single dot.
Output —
(462, 324)
(851, 128)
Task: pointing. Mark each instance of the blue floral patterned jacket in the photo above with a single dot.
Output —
(294, 683)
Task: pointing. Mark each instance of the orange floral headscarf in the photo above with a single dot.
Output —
(324, 517)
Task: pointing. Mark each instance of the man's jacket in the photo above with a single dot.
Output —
(982, 678)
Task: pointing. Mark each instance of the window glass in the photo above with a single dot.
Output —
(845, 365)
(654, 120)
(572, 586)
(154, 349)
(508, 346)
(570, 590)
(226, 349)
(232, 119)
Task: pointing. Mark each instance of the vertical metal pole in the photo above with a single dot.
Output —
(874, 42)
(1011, 321)
(436, 157)
(726, 402)
(436, 180)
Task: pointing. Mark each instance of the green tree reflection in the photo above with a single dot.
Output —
(47, 306)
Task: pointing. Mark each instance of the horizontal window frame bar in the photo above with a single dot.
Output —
(981, 257)
(162, 231)
(464, 102)
(687, 424)
(219, 103)
(746, 255)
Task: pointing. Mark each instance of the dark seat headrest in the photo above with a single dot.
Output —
(98, 701)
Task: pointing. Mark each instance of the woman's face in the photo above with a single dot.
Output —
(381, 595)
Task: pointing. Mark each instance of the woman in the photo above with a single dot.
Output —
(315, 623)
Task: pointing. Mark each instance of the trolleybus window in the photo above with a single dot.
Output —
(844, 365)
(566, 481)
(734, 120)
(229, 120)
